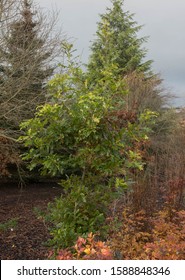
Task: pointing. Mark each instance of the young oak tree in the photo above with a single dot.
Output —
(79, 136)
(85, 128)
(80, 128)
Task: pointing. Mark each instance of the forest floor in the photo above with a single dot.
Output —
(22, 234)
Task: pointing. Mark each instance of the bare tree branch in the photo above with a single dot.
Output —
(30, 49)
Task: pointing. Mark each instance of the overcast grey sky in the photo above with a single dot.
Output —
(164, 23)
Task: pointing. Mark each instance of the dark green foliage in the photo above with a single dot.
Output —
(81, 210)
(117, 43)
(85, 130)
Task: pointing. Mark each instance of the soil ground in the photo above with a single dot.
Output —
(25, 240)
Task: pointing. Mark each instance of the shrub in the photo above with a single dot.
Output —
(85, 249)
(80, 210)
(85, 131)
(168, 236)
(161, 237)
(129, 241)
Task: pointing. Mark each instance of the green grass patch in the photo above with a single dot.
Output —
(11, 224)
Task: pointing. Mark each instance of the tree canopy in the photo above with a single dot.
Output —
(117, 40)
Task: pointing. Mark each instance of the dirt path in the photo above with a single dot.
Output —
(24, 241)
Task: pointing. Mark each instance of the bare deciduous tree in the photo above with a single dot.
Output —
(144, 93)
(29, 49)
(6, 8)
(27, 53)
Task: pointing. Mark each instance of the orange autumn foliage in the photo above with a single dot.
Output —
(85, 249)
(161, 237)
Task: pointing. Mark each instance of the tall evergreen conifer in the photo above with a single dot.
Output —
(117, 43)
(116, 39)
